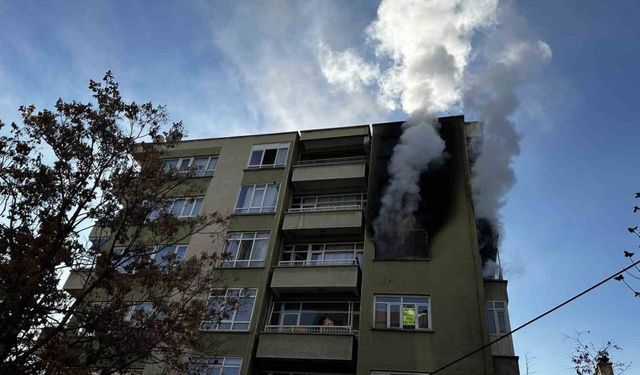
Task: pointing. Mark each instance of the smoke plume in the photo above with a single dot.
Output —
(423, 54)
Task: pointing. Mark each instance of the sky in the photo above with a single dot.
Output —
(239, 67)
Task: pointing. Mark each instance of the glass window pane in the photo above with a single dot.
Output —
(272, 195)
(256, 203)
(200, 164)
(408, 316)
(245, 249)
(387, 299)
(176, 209)
(169, 165)
(311, 318)
(232, 248)
(423, 316)
(231, 370)
(491, 322)
(213, 162)
(281, 157)
(422, 300)
(502, 324)
(188, 207)
(289, 319)
(259, 249)
(184, 165)
(269, 157)
(275, 318)
(231, 361)
(180, 253)
(245, 308)
(380, 319)
(394, 316)
(243, 199)
(197, 207)
(256, 158)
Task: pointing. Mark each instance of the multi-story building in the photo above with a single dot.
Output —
(318, 296)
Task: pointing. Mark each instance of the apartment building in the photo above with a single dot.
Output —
(318, 297)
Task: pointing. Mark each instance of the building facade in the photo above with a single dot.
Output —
(317, 296)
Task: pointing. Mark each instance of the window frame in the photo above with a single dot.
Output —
(208, 366)
(351, 311)
(242, 292)
(263, 148)
(401, 313)
(289, 251)
(153, 253)
(257, 235)
(496, 318)
(261, 208)
(390, 372)
(206, 172)
(170, 203)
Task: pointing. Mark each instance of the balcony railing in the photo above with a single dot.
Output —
(322, 203)
(318, 263)
(316, 330)
(330, 161)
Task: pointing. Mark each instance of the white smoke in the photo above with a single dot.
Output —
(492, 93)
(423, 50)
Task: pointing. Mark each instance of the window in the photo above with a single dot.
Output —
(214, 365)
(322, 254)
(246, 249)
(238, 318)
(182, 208)
(161, 255)
(328, 202)
(268, 156)
(140, 310)
(260, 198)
(167, 254)
(199, 165)
(402, 312)
(314, 317)
(497, 318)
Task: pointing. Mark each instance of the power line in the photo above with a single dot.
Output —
(534, 319)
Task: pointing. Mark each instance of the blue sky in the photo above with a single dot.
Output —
(228, 68)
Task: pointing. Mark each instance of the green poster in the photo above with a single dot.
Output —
(408, 316)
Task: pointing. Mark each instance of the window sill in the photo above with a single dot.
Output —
(253, 213)
(222, 331)
(428, 259)
(403, 330)
(264, 168)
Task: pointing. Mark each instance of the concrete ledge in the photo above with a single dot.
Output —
(315, 279)
(305, 347)
(506, 365)
(330, 176)
(495, 290)
(316, 223)
(76, 281)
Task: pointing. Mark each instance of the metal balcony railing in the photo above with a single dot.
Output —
(331, 161)
(322, 203)
(315, 330)
(318, 263)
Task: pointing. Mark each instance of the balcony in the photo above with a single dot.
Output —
(330, 173)
(327, 347)
(76, 281)
(310, 330)
(300, 277)
(322, 214)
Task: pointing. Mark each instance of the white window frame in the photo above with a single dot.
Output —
(493, 307)
(208, 171)
(330, 202)
(214, 362)
(167, 206)
(352, 314)
(264, 147)
(289, 251)
(245, 236)
(229, 294)
(260, 209)
(401, 304)
(153, 252)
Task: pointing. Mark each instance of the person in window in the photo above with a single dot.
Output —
(327, 322)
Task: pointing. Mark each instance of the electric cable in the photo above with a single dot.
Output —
(534, 319)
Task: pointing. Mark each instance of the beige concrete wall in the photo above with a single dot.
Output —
(314, 279)
(306, 347)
